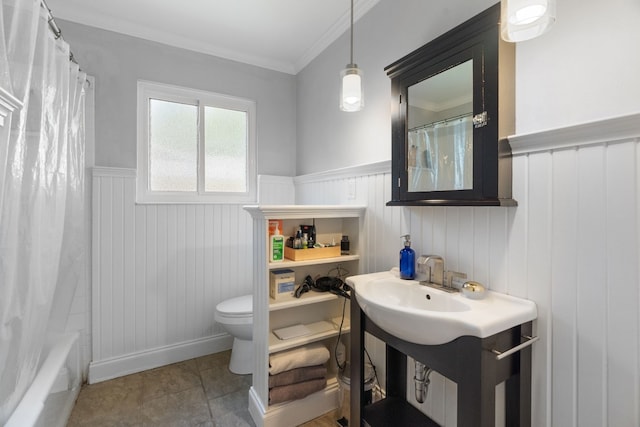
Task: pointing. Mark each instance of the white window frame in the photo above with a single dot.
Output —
(150, 90)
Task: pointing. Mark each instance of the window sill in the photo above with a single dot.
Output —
(179, 199)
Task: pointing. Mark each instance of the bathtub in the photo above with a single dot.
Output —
(53, 392)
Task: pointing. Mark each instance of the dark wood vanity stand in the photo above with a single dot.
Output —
(469, 361)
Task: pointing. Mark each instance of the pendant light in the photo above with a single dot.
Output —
(526, 19)
(351, 97)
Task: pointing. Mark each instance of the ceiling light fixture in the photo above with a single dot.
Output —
(526, 19)
(351, 96)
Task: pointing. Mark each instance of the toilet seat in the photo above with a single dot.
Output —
(234, 311)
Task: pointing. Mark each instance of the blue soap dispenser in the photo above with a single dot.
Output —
(407, 260)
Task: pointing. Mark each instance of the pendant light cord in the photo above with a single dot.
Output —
(351, 57)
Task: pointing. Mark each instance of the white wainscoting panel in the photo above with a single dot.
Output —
(276, 190)
(158, 273)
(571, 245)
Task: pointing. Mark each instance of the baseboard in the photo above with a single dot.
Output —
(137, 362)
(295, 412)
(256, 410)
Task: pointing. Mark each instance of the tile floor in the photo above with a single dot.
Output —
(198, 392)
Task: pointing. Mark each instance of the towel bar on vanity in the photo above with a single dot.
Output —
(502, 354)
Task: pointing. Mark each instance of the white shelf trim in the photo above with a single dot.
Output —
(291, 263)
(304, 211)
(319, 331)
(308, 298)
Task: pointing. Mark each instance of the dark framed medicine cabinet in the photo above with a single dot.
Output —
(453, 105)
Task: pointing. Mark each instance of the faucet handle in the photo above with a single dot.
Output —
(450, 277)
(473, 290)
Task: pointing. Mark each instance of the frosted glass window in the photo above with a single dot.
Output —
(194, 146)
(225, 150)
(173, 146)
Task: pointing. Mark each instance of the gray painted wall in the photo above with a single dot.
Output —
(118, 61)
(329, 138)
(584, 69)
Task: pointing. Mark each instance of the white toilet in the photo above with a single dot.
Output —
(236, 317)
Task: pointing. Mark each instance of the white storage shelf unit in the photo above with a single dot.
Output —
(320, 312)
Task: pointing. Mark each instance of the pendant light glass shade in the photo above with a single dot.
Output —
(351, 97)
(526, 19)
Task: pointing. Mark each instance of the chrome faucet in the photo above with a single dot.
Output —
(430, 272)
(431, 267)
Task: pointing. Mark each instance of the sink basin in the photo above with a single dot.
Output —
(428, 316)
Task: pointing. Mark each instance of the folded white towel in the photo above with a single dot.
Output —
(309, 355)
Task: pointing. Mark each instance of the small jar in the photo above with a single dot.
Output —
(344, 245)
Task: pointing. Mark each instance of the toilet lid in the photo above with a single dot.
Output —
(236, 306)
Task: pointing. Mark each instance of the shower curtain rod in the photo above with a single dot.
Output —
(450, 119)
(53, 26)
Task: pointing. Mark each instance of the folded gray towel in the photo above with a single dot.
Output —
(297, 375)
(296, 391)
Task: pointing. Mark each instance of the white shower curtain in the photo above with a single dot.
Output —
(442, 156)
(41, 193)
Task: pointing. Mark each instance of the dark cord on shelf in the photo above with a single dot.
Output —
(335, 351)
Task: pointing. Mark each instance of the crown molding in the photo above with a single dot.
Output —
(360, 8)
(126, 27)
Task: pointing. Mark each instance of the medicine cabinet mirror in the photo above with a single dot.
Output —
(452, 109)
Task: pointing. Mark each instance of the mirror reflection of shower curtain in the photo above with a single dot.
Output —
(441, 156)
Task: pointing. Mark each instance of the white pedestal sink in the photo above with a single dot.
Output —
(423, 315)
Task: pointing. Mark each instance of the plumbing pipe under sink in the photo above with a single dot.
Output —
(421, 381)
